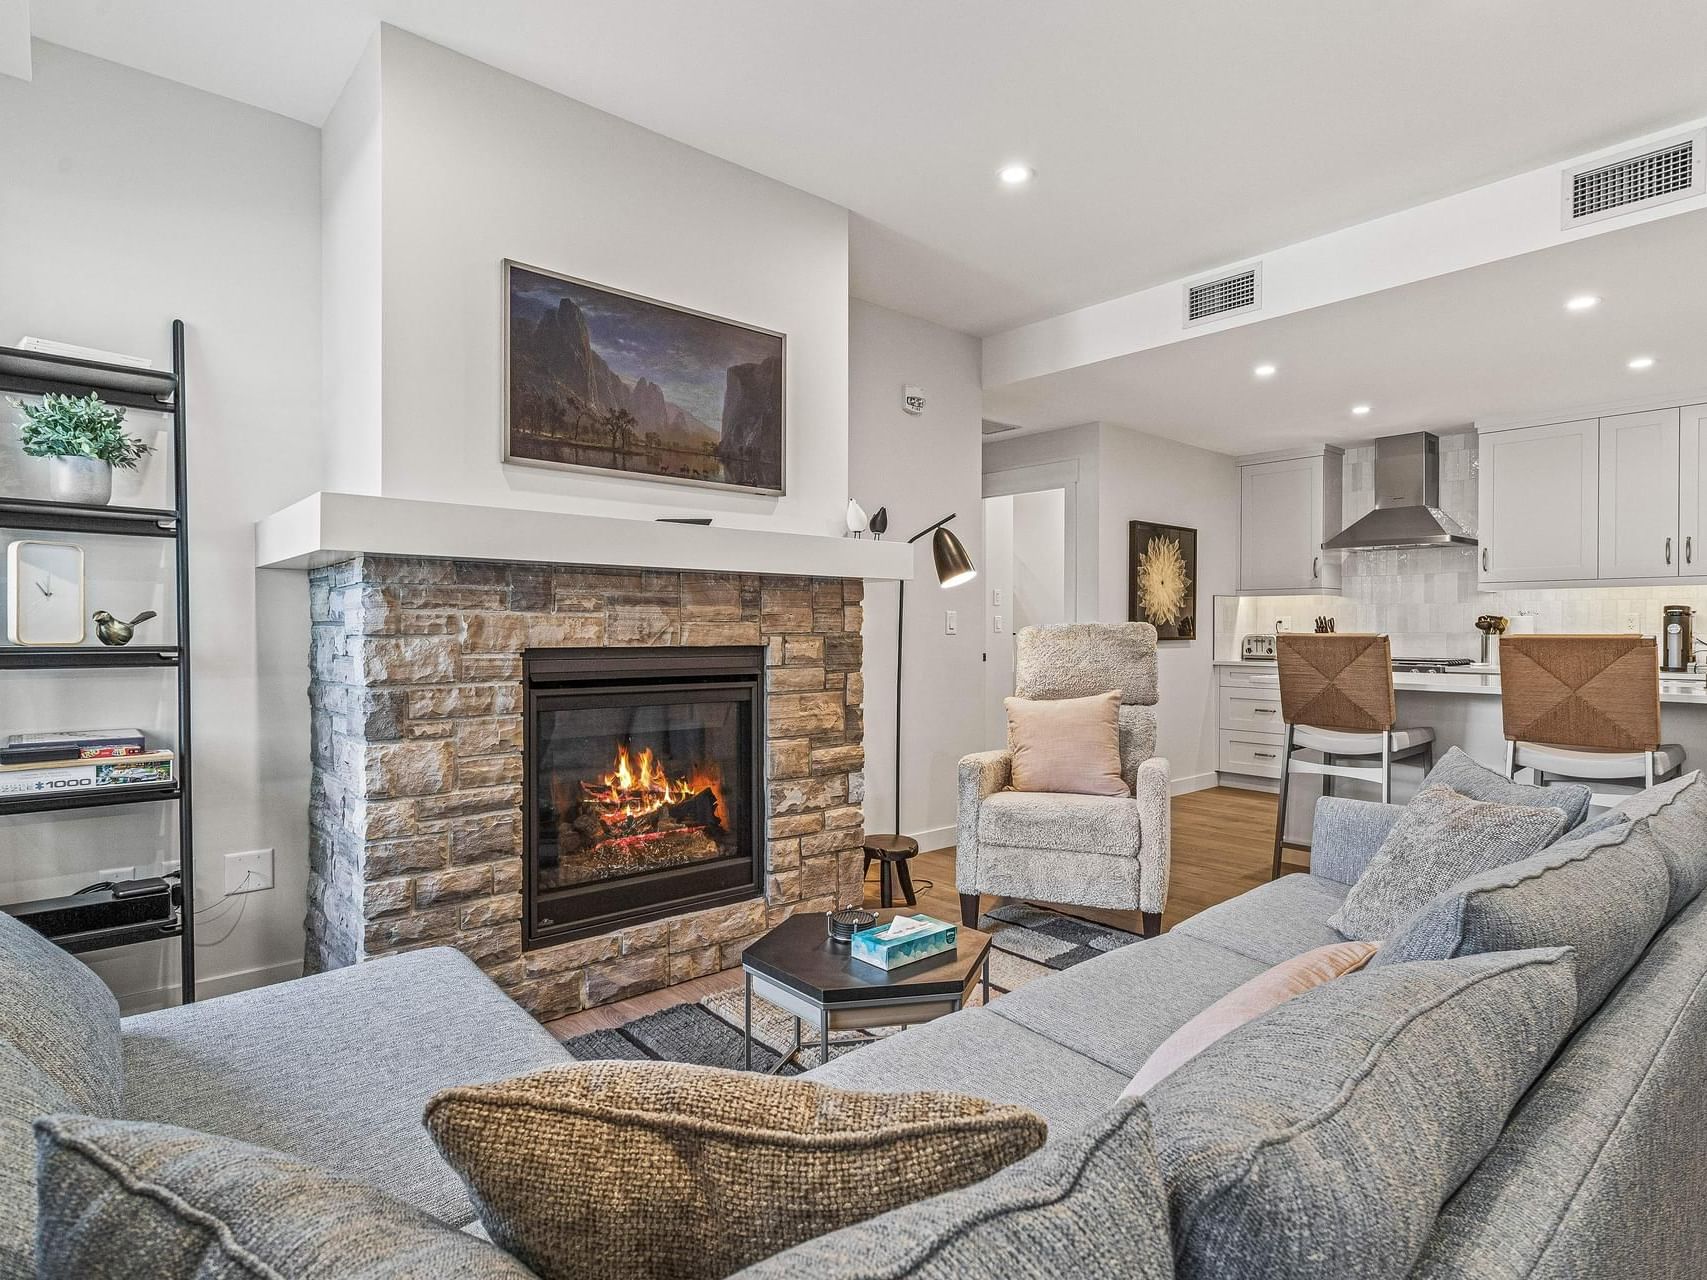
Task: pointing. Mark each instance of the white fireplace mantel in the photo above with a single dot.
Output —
(324, 528)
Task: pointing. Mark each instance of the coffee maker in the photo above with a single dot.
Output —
(1677, 638)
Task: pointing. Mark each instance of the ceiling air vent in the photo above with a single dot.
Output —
(994, 428)
(1636, 179)
(1224, 295)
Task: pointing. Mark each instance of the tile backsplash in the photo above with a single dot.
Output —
(1426, 598)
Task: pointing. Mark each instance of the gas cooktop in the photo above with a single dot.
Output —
(1429, 666)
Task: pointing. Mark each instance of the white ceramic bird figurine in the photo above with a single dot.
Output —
(857, 521)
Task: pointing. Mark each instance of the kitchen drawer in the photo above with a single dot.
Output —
(1246, 708)
(1254, 754)
(1255, 675)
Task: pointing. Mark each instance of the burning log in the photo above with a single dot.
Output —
(698, 810)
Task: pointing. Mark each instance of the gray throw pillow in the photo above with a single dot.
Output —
(1676, 813)
(1440, 839)
(62, 1017)
(1091, 1204)
(122, 1200)
(1603, 894)
(1320, 1141)
(1468, 777)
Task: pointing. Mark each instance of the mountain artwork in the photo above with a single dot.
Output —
(608, 381)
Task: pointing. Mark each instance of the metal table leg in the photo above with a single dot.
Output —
(823, 1035)
(986, 979)
(747, 1021)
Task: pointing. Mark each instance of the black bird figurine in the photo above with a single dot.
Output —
(111, 631)
(879, 521)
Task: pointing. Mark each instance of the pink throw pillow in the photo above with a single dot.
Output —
(1246, 1003)
(1067, 744)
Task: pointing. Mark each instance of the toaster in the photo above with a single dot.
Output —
(1257, 648)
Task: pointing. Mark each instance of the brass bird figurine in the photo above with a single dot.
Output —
(109, 630)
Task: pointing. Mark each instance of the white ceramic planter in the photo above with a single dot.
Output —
(85, 481)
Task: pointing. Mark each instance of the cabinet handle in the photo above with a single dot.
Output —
(1689, 549)
(1263, 755)
(1668, 550)
(1263, 711)
(1316, 566)
(1484, 559)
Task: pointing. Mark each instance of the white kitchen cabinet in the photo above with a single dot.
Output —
(1692, 490)
(1538, 503)
(1639, 484)
(1289, 504)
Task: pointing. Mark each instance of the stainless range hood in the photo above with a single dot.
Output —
(1407, 501)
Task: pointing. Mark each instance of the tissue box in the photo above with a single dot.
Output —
(933, 938)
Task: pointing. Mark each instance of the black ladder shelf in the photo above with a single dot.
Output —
(32, 373)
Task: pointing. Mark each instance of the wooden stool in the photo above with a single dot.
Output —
(893, 852)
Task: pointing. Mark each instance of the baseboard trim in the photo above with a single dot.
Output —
(1195, 782)
(936, 838)
(221, 985)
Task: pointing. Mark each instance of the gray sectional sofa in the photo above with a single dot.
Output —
(1596, 1171)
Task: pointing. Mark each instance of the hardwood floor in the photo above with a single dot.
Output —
(1222, 846)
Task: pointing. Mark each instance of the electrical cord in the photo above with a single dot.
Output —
(241, 908)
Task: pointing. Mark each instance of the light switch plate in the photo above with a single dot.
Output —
(248, 872)
(951, 622)
(996, 624)
(996, 596)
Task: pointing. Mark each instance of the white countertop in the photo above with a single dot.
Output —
(1482, 679)
(327, 527)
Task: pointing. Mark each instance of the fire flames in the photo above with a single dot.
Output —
(637, 787)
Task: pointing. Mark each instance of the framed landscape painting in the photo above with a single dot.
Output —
(603, 380)
(1163, 566)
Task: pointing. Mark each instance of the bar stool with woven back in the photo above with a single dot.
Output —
(1585, 708)
(1336, 698)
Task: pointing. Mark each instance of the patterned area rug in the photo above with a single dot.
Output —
(1030, 942)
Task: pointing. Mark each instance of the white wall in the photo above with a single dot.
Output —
(921, 468)
(1124, 476)
(997, 575)
(128, 201)
(478, 166)
(1146, 478)
(351, 286)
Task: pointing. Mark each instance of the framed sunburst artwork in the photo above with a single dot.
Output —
(1164, 579)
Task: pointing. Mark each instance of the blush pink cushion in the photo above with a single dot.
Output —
(1245, 1003)
(1067, 744)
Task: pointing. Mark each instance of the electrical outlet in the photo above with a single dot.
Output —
(996, 596)
(119, 873)
(248, 872)
(951, 622)
(1282, 624)
(1632, 622)
(996, 624)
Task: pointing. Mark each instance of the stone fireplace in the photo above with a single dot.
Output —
(450, 698)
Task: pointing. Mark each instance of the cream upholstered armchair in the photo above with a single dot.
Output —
(1088, 851)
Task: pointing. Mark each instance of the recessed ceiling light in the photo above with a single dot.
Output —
(1641, 362)
(1582, 302)
(1264, 371)
(1015, 175)
(1361, 410)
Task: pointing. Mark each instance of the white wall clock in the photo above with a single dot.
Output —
(44, 597)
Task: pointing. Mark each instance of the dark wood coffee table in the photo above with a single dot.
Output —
(800, 968)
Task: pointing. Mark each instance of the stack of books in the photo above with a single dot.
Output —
(80, 760)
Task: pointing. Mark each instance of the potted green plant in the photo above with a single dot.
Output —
(85, 438)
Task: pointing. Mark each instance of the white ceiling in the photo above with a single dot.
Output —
(1168, 137)
(1494, 340)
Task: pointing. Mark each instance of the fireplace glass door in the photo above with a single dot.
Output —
(643, 793)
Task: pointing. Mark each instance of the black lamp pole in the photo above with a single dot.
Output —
(953, 566)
